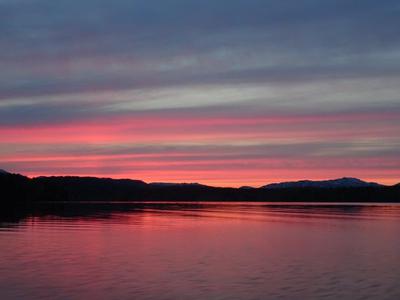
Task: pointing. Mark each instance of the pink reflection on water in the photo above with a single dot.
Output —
(198, 251)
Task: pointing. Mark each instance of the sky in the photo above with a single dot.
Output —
(227, 93)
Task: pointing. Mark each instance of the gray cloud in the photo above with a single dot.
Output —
(65, 46)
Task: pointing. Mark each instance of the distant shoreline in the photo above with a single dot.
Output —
(18, 188)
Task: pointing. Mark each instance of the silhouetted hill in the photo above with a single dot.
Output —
(72, 188)
(17, 188)
(345, 182)
(164, 184)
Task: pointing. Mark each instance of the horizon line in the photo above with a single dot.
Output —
(199, 183)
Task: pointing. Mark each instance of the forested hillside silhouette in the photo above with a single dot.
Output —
(16, 188)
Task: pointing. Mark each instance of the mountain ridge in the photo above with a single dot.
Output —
(3, 172)
(348, 182)
(16, 188)
(326, 183)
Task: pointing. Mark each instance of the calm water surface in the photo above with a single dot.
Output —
(201, 251)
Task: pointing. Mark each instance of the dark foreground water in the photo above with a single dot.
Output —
(201, 251)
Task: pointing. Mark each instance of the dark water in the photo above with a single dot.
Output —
(201, 251)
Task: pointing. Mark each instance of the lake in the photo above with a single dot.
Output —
(201, 251)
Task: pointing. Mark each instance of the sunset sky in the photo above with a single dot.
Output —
(230, 93)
